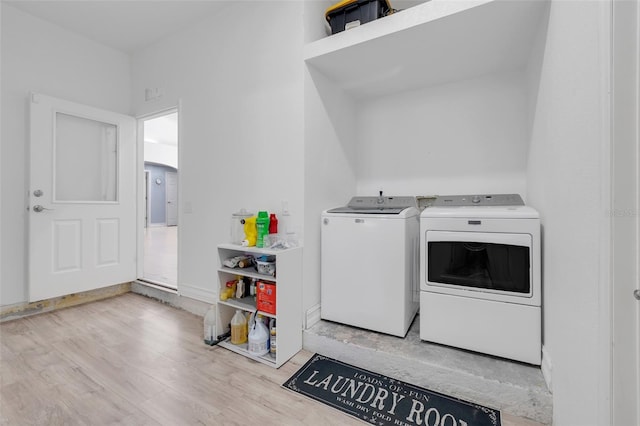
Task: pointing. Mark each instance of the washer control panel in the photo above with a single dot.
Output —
(478, 200)
(377, 205)
(382, 202)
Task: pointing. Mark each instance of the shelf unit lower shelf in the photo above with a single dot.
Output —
(242, 350)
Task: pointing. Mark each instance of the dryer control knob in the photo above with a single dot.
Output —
(475, 199)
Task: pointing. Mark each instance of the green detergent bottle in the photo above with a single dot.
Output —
(262, 226)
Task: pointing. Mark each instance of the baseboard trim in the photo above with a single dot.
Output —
(312, 316)
(206, 295)
(171, 298)
(547, 368)
(25, 309)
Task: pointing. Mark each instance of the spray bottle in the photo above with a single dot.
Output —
(284, 224)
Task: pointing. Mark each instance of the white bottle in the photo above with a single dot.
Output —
(284, 222)
(210, 326)
(258, 337)
(239, 288)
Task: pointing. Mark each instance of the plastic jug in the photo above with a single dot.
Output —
(258, 337)
(210, 326)
(250, 233)
(262, 227)
(237, 225)
(273, 224)
(238, 328)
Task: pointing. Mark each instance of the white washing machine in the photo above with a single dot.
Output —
(369, 264)
(480, 275)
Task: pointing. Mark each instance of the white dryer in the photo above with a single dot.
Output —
(481, 276)
(370, 265)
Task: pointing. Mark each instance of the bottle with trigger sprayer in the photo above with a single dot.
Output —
(284, 224)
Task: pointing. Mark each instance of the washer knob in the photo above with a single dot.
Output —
(475, 199)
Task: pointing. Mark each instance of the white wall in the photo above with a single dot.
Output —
(329, 171)
(466, 137)
(38, 56)
(567, 174)
(239, 78)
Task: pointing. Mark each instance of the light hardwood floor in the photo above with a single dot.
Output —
(161, 255)
(131, 360)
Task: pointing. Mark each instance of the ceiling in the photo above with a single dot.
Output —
(131, 25)
(125, 25)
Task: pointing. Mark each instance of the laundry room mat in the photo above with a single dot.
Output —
(381, 400)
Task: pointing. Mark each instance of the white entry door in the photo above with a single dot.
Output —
(82, 198)
(171, 191)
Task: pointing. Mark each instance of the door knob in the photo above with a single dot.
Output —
(38, 208)
(636, 294)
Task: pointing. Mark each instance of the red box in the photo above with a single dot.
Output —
(266, 297)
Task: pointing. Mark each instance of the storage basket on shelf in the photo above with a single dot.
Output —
(266, 265)
(350, 13)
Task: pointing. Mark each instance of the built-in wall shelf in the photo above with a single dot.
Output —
(433, 43)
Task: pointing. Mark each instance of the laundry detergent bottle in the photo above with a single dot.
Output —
(273, 224)
(238, 328)
(262, 226)
(258, 337)
(250, 233)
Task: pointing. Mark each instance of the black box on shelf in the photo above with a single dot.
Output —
(348, 13)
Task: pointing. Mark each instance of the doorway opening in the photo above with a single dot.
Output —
(160, 240)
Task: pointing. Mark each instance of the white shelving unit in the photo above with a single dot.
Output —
(288, 315)
(429, 44)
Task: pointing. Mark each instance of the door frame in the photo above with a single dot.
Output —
(625, 213)
(141, 182)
